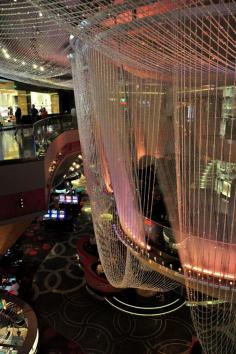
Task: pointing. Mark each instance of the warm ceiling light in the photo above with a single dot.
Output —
(15, 59)
(7, 55)
(23, 63)
(40, 14)
(4, 50)
(41, 68)
(35, 66)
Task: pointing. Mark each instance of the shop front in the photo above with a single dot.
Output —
(13, 95)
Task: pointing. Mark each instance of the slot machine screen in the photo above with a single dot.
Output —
(68, 199)
(54, 214)
(61, 198)
(61, 214)
(75, 199)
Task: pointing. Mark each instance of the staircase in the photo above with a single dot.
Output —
(203, 179)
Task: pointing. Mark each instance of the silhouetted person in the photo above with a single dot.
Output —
(34, 113)
(18, 120)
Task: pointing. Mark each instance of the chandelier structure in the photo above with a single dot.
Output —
(155, 92)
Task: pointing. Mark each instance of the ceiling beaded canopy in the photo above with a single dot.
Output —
(33, 46)
(34, 35)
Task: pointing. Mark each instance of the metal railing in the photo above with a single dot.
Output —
(23, 142)
(47, 129)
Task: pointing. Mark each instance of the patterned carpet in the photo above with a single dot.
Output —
(62, 303)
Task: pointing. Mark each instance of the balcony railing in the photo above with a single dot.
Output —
(46, 130)
(27, 142)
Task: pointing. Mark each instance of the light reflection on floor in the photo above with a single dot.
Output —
(16, 148)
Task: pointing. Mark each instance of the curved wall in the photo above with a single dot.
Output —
(25, 187)
(22, 187)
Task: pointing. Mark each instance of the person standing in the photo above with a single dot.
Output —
(34, 113)
(44, 113)
(14, 288)
(10, 111)
(18, 120)
(73, 115)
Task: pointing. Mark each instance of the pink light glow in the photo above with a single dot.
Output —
(209, 257)
(142, 12)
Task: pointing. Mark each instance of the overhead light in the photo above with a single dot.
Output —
(71, 37)
(23, 63)
(40, 14)
(15, 59)
(41, 68)
(4, 50)
(7, 55)
(35, 66)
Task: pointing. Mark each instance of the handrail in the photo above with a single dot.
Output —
(47, 129)
(14, 126)
(32, 140)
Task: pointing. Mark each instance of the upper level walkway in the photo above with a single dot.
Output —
(30, 142)
(29, 158)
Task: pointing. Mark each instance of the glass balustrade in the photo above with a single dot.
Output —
(27, 141)
(46, 130)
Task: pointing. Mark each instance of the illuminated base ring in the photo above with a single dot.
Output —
(152, 309)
